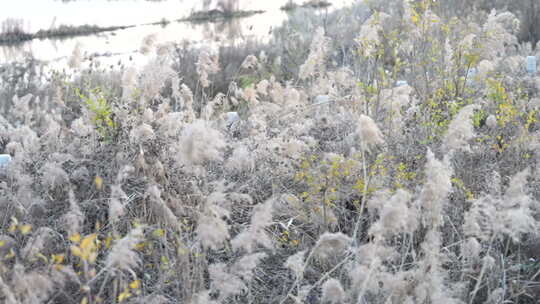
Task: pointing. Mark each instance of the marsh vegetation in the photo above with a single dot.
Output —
(380, 152)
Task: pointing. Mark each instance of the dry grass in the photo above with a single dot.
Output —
(315, 182)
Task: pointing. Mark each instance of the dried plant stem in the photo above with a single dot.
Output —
(328, 273)
(364, 284)
(482, 273)
(363, 201)
(87, 284)
(407, 248)
(115, 291)
(325, 224)
(503, 283)
(299, 278)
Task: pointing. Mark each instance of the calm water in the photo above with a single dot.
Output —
(44, 14)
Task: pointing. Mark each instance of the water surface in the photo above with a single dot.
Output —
(140, 13)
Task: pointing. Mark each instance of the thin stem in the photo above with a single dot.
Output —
(363, 200)
(345, 260)
(298, 278)
(482, 272)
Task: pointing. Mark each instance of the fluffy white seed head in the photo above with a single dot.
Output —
(332, 292)
(369, 132)
(200, 143)
(460, 130)
(331, 245)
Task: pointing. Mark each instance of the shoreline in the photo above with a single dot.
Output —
(63, 31)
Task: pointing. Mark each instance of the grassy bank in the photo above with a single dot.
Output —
(17, 35)
(218, 15)
(308, 4)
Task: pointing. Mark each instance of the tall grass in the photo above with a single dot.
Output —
(301, 174)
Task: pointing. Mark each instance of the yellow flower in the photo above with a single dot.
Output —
(98, 181)
(135, 284)
(25, 229)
